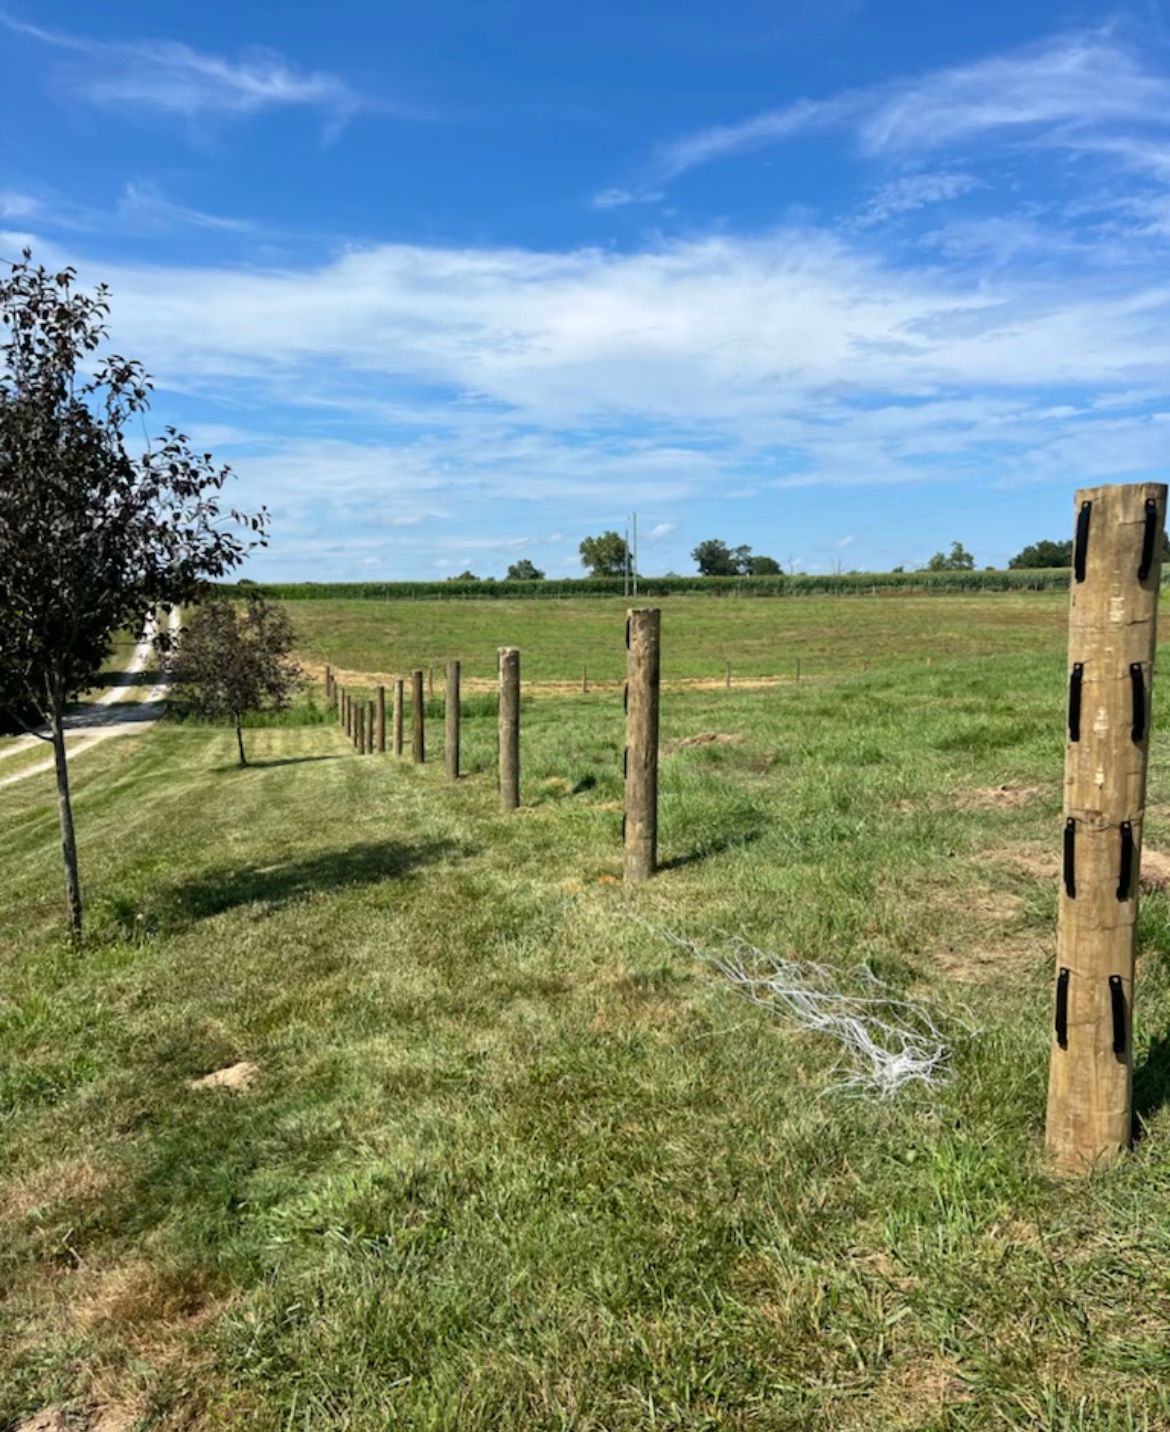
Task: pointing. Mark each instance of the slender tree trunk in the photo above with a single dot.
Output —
(65, 813)
(240, 742)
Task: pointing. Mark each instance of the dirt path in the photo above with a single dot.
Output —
(315, 671)
(114, 713)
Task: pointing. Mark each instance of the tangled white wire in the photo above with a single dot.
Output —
(886, 1042)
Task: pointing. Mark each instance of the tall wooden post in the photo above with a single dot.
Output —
(1112, 617)
(371, 718)
(347, 715)
(643, 663)
(328, 683)
(380, 725)
(363, 716)
(417, 717)
(451, 715)
(509, 726)
(396, 719)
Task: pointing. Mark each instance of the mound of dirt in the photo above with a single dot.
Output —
(236, 1077)
(1005, 797)
(705, 738)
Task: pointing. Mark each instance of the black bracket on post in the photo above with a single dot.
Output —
(1117, 1005)
(1075, 682)
(1149, 536)
(1125, 870)
(1070, 858)
(1062, 1008)
(1082, 543)
(1137, 680)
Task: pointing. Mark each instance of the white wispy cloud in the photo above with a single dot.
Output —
(143, 203)
(1068, 91)
(14, 205)
(913, 191)
(171, 77)
(616, 198)
(659, 531)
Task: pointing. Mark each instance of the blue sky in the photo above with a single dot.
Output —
(457, 283)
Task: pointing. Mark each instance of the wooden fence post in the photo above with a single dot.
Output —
(396, 719)
(509, 727)
(370, 718)
(430, 682)
(728, 677)
(417, 717)
(363, 716)
(451, 715)
(643, 666)
(584, 681)
(328, 683)
(347, 715)
(1112, 617)
(380, 729)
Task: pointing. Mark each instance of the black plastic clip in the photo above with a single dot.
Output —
(1074, 700)
(1117, 1003)
(1070, 857)
(1062, 1008)
(1137, 680)
(1082, 543)
(1125, 871)
(1149, 536)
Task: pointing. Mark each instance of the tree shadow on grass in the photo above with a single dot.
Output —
(718, 846)
(1151, 1083)
(286, 881)
(263, 765)
(148, 676)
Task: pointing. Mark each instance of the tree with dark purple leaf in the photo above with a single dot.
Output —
(93, 538)
(231, 660)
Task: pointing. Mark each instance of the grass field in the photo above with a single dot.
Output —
(510, 1159)
(760, 637)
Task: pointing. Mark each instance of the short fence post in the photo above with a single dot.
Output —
(430, 682)
(347, 718)
(643, 667)
(396, 718)
(1112, 639)
(417, 717)
(380, 729)
(451, 715)
(363, 712)
(328, 683)
(370, 716)
(509, 727)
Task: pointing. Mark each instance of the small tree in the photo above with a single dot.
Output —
(959, 560)
(717, 559)
(232, 660)
(1044, 554)
(464, 577)
(524, 571)
(765, 567)
(92, 539)
(605, 556)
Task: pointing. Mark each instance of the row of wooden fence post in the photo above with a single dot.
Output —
(365, 724)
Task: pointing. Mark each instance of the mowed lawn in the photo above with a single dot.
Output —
(510, 1159)
(759, 636)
